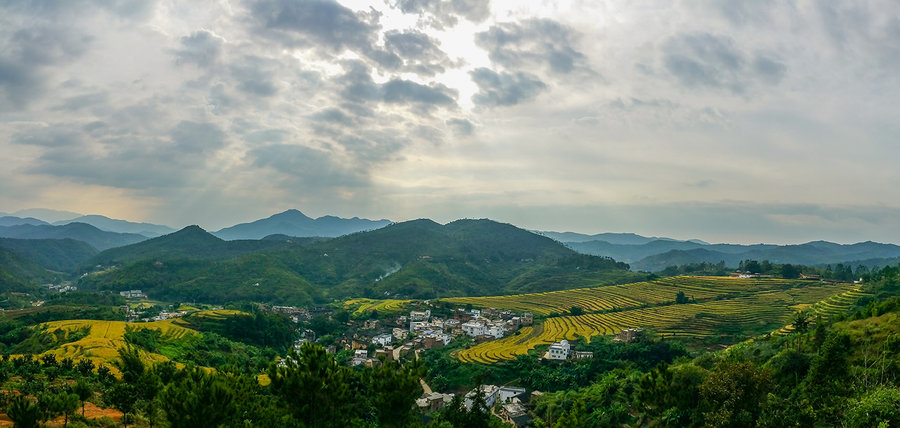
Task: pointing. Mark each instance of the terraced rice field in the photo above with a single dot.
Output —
(629, 295)
(106, 337)
(364, 305)
(832, 306)
(763, 309)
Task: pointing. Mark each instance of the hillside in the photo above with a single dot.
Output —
(417, 259)
(720, 309)
(295, 223)
(8, 220)
(656, 255)
(192, 242)
(149, 230)
(63, 255)
(99, 239)
(20, 274)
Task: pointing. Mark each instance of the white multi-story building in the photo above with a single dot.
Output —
(559, 350)
(383, 339)
(474, 328)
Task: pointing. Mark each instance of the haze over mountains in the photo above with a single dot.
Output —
(69, 244)
(295, 223)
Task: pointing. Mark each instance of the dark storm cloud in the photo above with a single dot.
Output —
(533, 42)
(313, 169)
(712, 61)
(359, 87)
(322, 24)
(416, 52)
(398, 91)
(446, 13)
(505, 89)
(201, 48)
(28, 54)
(140, 161)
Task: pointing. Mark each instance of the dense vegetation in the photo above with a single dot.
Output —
(417, 259)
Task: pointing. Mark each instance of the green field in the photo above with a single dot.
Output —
(732, 306)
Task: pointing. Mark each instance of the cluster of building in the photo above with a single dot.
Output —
(61, 288)
(132, 294)
(512, 402)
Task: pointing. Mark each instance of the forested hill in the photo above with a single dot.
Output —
(420, 259)
(63, 255)
(99, 239)
(192, 242)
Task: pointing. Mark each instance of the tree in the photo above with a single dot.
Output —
(789, 271)
(199, 399)
(731, 396)
(313, 386)
(24, 412)
(680, 297)
(63, 403)
(84, 391)
(881, 406)
(576, 310)
(394, 389)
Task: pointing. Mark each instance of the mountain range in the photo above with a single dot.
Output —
(415, 259)
(295, 223)
(656, 255)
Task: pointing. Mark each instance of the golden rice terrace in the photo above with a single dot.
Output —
(717, 304)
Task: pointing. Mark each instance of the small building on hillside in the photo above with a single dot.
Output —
(580, 355)
(383, 339)
(559, 350)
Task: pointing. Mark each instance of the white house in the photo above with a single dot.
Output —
(559, 350)
(360, 356)
(491, 392)
(383, 339)
(420, 315)
(474, 328)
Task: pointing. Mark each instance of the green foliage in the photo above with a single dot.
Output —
(24, 412)
(63, 255)
(313, 387)
(199, 399)
(877, 407)
(733, 396)
(467, 257)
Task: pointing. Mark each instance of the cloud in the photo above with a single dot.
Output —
(461, 127)
(505, 89)
(78, 102)
(416, 52)
(446, 13)
(193, 137)
(201, 48)
(29, 54)
(254, 75)
(320, 24)
(359, 87)
(533, 43)
(314, 170)
(700, 60)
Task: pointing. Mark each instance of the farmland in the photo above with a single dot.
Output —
(761, 306)
(634, 295)
(105, 337)
(360, 306)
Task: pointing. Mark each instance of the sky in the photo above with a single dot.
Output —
(739, 121)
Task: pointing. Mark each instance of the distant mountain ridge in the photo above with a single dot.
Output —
(97, 238)
(149, 230)
(294, 223)
(63, 255)
(655, 255)
(191, 242)
(9, 220)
